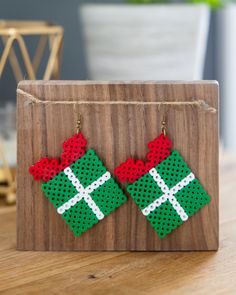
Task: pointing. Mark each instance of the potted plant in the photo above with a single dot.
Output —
(148, 41)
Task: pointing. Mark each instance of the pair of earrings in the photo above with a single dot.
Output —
(84, 192)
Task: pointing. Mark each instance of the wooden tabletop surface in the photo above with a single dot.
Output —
(124, 273)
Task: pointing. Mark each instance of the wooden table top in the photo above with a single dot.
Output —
(125, 272)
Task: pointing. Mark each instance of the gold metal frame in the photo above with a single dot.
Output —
(14, 31)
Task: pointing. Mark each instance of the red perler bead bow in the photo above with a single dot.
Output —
(131, 170)
(73, 149)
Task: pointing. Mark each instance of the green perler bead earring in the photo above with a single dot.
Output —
(79, 186)
(168, 193)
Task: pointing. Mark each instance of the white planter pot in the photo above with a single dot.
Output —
(145, 42)
(226, 72)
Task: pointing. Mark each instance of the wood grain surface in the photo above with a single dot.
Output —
(115, 132)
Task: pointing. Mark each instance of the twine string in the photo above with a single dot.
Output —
(202, 104)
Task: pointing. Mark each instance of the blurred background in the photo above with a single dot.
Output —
(114, 40)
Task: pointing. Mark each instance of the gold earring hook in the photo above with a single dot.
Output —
(78, 118)
(78, 123)
(163, 125)
(164, 120)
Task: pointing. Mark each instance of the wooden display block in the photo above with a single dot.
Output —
(115, 132)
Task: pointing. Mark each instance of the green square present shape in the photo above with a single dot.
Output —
(168, 194)
(84, 193)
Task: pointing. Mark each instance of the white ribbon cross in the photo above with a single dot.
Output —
(168, 194)
(84, 193)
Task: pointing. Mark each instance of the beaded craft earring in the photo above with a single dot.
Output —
(78, 185)
(163, 187)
